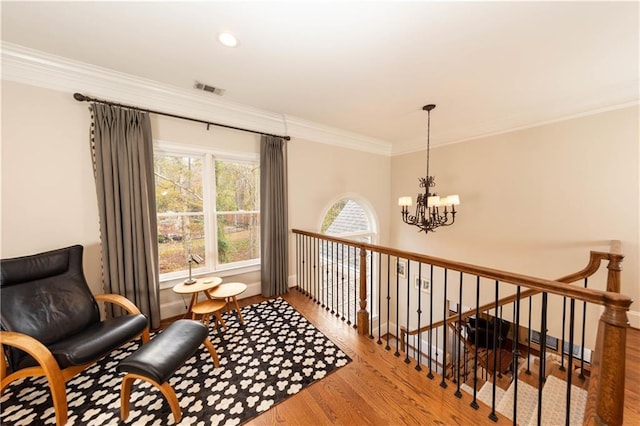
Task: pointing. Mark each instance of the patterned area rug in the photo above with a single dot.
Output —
(274, 355)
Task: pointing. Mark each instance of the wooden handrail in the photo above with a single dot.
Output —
(543, 285)
(593, 265)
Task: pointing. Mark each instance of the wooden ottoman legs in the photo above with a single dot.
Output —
(165, 388)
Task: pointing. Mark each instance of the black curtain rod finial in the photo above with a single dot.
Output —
(79, 97)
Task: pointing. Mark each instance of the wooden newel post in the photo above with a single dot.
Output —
(610, 390)
(363, 315)
(613, 276)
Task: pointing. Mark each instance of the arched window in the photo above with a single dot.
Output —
(349, 218)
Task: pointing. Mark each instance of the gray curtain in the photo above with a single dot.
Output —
(122, 150)
(274, 227)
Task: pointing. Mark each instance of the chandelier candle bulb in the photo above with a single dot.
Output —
(405, 201)
(433, 201)
(454, 200)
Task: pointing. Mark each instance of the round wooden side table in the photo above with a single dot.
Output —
(201, 284)
(229, 292)
(208, 308)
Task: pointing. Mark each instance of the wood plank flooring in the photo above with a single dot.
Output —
(632, 378)
(377, 388)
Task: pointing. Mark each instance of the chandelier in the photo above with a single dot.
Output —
(432, 211)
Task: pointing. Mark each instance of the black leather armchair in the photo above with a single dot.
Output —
(50, 323)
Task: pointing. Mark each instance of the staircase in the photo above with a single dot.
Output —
(554, 396)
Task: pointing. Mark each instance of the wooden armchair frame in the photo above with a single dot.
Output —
(47, 365)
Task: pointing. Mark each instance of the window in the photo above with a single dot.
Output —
(206, 205)
(347, 218)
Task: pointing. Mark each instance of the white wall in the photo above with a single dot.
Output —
(536, 201)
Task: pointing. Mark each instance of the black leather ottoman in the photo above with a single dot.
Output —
(157, 360)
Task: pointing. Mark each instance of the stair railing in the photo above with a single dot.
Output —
(344, 289)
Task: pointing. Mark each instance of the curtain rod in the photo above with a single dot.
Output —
(82, 98)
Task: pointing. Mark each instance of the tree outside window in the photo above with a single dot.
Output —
(206, 206)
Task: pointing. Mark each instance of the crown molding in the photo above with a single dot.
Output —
(452, 139)
(40, 69)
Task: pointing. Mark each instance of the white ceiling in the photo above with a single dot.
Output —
(365, 67)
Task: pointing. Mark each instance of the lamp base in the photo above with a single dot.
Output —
(190, 281)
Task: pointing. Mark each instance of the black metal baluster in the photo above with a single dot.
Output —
(459, 328)
(379, 297)
(445, 330)
(543, 354)
(584, 319)
(334, 273)
(572, 308)
(371, 294)
(356, 288)
(317, 276)
(437, 349)
(564, 312)
(302, 258)
(388, 298)
(340, 305)
(349, 288)
(406, 348)
(298, 278)
(529, 341)
(419, 311)
(516, 353)
(397, 353)
(322, 252)
(325, 278)
(466, 361)
(308, 256)
(430, 374)
(500, 342)
(493, 415)
(334, 276)
(474, 403)
(313, 282)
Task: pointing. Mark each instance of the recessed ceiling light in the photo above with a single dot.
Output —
(228, 39)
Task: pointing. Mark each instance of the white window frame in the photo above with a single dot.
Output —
(208, 155)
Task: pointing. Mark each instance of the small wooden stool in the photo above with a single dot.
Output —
(157, 360)
(208, 308)
(228, 292)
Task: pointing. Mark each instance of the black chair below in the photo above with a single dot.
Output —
(51, 324)
(485, 329)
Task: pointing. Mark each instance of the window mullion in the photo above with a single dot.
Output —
(209, 201)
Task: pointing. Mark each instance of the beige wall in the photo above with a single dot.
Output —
(320, 175)
(48, 191)
(535, 201)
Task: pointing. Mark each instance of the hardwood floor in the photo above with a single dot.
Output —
(632, 378)
(377, 388)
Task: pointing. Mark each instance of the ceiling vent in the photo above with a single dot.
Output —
(205, 87)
